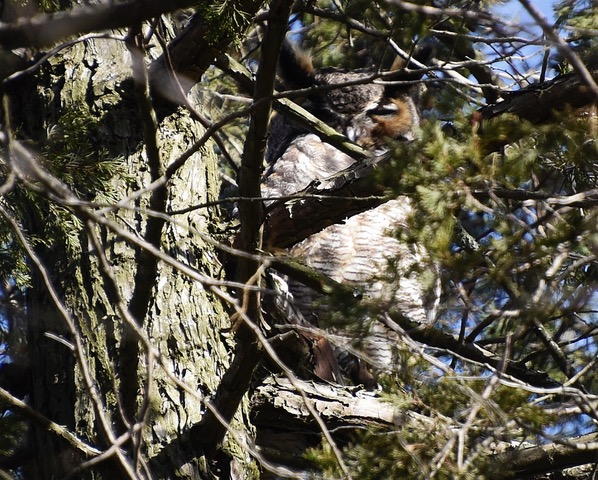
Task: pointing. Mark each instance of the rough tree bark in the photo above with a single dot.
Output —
(184, 320)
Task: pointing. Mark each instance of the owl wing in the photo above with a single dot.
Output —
(364, 252)
(357, 251)
(307, 158)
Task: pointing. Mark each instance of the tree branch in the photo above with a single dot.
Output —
(538, 103)
(286, 428)
(147, 264)
(44, 30)
(235, 383)
(585, 199)
(21, 407)
(545, 458)
(292, 111)
(469, 351)
(202, 40)
(563, 48)
(288, 223)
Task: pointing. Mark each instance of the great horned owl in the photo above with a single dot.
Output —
(357, 251)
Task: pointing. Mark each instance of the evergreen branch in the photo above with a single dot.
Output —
(289, 223)
(427, 335)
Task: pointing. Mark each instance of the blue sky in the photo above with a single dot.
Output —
(513, 11)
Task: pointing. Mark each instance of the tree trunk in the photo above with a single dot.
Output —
(185, 321)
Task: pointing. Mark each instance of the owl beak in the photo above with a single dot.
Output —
(406, 137)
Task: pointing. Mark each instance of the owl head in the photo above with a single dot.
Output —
(367, 113)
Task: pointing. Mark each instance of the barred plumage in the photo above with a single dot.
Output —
(357, 251)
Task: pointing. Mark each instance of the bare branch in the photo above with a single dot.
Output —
(446, 12)
(43, 30)
(562, 46)
(24, 409)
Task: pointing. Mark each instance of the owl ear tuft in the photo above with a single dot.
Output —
(295, 65)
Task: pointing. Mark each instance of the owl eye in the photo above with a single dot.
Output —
(386, 110)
